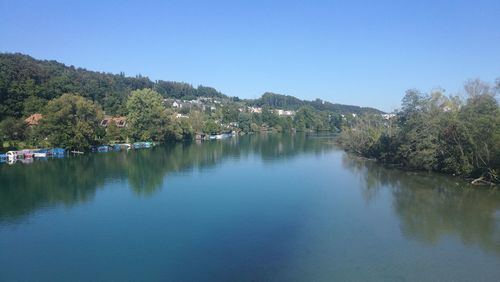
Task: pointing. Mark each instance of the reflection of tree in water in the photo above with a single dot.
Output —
(25, 188)
(432, 206)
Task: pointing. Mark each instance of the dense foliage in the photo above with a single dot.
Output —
(29, 86)
(274, 100)
(436, 132)
(26, 85)
(70, 121)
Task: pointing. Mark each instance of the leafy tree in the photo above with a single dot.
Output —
(113, 133)
(197, 121)
(12, 130)
(436, 132)
(147, 119)
(71, 121)
(254, 127)
(244, 121)
(33, 104)
(212, 127)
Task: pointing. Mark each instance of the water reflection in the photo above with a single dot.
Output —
(27, 188)
(432, 206)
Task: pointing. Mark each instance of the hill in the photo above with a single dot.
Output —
(27, 84)
(288, 102)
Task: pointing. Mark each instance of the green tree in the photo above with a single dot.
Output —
(33, 104)
(147, 119)
(254, 127)
(72, 122)
(212, 127)
(113, 133)
(12, 129)
(197, 121)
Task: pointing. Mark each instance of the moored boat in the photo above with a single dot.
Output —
(12, 156)
(40, 154)
(103, 148)
(124, 146)
(56, 152)
(27, 154)
(141, 145)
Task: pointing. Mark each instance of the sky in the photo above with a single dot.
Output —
(365, 53)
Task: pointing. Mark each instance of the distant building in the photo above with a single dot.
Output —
(33, 120)
(388, 116)
(177, 104)
(181, 116)
(119, 121)
(284, 113)
(255, 110)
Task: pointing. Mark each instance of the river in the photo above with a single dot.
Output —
(252, 208)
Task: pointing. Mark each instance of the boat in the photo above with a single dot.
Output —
(220, 136)
(40, 154)
(3, 158)
(103, 148)
(27, 154)
(11, 155)
(56, 152)
(141, 145)
(124, 146)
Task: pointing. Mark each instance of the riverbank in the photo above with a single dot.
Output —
(474, 181)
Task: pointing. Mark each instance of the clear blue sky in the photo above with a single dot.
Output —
(355, 52)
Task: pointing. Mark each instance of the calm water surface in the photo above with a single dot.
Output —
(253, 208)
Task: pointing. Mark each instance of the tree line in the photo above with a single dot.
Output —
(292, 103)
(27, 85)
(435, 132)
(74, 122)
(73, 102)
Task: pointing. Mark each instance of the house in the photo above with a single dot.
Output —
(119, 121)
(388, 116)
(284, 113)
(255, 110)
(177, 104)
(181, 116)
(33, 120)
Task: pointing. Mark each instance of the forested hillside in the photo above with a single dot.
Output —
(288, 102)
(27, 85)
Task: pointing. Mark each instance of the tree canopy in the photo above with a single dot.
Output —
(436, 132)
(71, 121)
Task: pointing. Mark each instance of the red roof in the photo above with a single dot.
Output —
(119, 121)
(33, 119)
